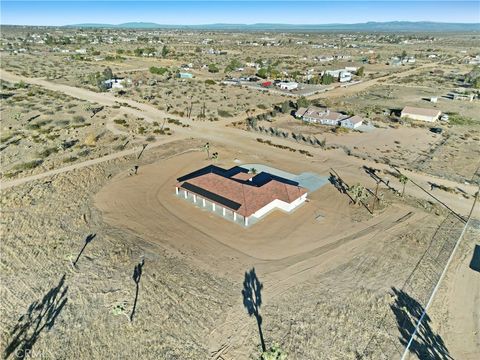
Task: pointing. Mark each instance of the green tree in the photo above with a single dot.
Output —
(263, 73)
(404, 54)
(165, 51)
(361, 71)
(327, 79)
(206, 147)
(403, 180)
(286, 107)
(158, 70)
(213, 68)
(234, 64)
(302, 102)
(476, 83)
(107, 73)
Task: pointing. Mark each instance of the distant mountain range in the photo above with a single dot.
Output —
(391, 26)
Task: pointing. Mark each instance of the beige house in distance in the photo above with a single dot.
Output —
(421, 114)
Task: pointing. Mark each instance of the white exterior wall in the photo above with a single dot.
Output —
(279, 204)
(288, 86)
(420, 117)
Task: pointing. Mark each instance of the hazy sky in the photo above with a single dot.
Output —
(229, 11)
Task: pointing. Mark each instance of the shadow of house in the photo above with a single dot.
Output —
(252, 300)
(475, 262)
(40, 316)
(427, 345)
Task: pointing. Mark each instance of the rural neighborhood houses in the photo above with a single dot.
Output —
(237, 194)
(324, 116)
(352, 123)
(421, 114)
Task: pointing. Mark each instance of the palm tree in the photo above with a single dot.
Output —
(206, 147)
(215, 156)
(403, 179)
(252, 171)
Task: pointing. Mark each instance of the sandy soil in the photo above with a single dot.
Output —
(460, 291)
(337, 288)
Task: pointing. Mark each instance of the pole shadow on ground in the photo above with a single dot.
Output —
(475, 262)
(427, 345)
(252, 300)
(137, 275)
(40, 316)
(88, 240)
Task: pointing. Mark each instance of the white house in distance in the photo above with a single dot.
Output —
(319, 115)
(341, 75)
(422, 114)
(115, 83)
(237, 194)
(352, 122)
(324, 116)
(291, 85)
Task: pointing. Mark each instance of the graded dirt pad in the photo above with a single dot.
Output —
(288, 261)
(324, 301)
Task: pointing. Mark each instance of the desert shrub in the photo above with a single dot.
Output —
(47, 152)
(120, 121)
(150, 138)
(91, 140)
(78, 119)
(62, 122)
(28, 165)
(340, 130)
(84, 152)
(210, 82)
(70, 159)
(158, 70)
(456, 119)
(224, 113)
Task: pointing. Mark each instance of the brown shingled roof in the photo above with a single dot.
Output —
(250, 197)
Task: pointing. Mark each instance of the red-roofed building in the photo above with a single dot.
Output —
(238, 192)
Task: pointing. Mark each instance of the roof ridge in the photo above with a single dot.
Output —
(244, 198)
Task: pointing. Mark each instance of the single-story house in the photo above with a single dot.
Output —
(319, 115)
(288, 85)
(352, 122)
(421, 114)
(115, 83)
(236, 192)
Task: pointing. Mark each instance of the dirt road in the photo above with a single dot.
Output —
(345, 91)
(217, 132)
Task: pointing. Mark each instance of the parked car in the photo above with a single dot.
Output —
(436, 130)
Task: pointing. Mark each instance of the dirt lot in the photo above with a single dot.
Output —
(191, 285)
(156, 278)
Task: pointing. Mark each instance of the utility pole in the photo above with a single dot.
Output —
(375, 199)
